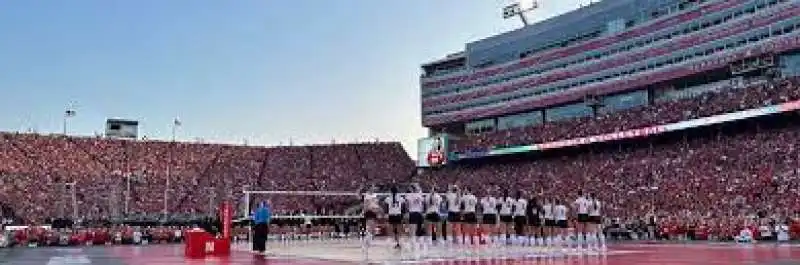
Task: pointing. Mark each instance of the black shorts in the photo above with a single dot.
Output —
(534, 221)
(506, 219)
(520, 221)
(489, 219)
(596, 219)
(395, 219)
(562, 224)
(433, 217)
(583, 218)
(370, 215)
(469, 218)
(453, 217)
(550, 223)
(415, 218)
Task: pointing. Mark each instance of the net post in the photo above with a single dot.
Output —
(247, 217)
(246, 204)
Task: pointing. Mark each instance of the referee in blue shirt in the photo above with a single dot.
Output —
(261, 218)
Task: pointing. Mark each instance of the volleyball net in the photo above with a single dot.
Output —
(309, 214)
(313, 214)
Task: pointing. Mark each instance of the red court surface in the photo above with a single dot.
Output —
(623, 254)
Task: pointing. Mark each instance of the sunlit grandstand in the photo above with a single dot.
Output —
(622, 120)
(683, 112)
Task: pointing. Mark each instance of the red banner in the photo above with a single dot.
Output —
(225, 215)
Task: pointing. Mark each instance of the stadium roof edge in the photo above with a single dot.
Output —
(460, 54)
(541, 26)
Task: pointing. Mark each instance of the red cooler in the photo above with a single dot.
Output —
(196, 243)
(222, 247)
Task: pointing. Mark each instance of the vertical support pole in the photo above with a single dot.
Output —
(247, 217)
(246, 204)
(226, 216)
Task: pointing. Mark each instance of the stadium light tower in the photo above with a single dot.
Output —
(518, 8)
(176, 123)
(68, 113)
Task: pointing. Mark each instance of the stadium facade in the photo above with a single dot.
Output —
(610, 56)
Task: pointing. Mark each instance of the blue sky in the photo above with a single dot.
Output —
(261, 70)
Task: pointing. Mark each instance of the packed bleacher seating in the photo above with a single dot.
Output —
(44, 176)
(718, 184)
(722, 182)
(723, 99)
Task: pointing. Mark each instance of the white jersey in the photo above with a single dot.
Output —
(548, 211)
(470, 202)
(434, 202)
(489, 205)
(395, 204)
(453, 202)
(520, 206)
(415, 203)
(594, 207)
(582, 205)
(137, 237)
(506, 205)
(371, 202)
(783, 233)
(560, 212)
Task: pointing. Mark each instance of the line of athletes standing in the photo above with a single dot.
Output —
(506, 219)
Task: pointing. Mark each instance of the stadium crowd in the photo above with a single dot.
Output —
(701, 101)
(722, 183)
(715, 185)
(52, 176)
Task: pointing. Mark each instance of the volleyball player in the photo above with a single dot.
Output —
(560, 212)
(415, 208)
(520, 219)
(506, 219)
(534, 214)
(433, 201)
(469, 203)
(582, 207)
(453, 213)
(489, 209)
(371, 210)
(308, 225)
(596, 222)
(549, 222)
(395, 210)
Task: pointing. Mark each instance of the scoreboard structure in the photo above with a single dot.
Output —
(121, 128)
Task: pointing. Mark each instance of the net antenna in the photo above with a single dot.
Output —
(518, 8)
